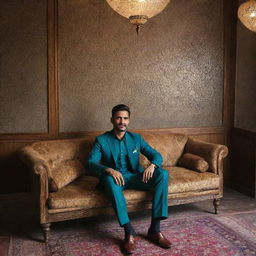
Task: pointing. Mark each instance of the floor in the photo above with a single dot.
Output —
(24, 223)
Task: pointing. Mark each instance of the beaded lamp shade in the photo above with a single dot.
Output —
(247, 14)
(138, 11)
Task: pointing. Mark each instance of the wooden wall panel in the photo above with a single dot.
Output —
(243, 161)
(14, 176)
(245, 108)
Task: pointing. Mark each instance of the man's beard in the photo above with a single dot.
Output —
(121, 129)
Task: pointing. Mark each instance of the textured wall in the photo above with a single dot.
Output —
(245, 102)
(23, 66)
(171, 75)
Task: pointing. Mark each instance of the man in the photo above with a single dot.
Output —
(114, 158)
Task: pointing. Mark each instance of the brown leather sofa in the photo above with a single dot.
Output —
(64, 190)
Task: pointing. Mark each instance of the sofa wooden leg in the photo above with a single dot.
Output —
(216, 204)
(46, 230)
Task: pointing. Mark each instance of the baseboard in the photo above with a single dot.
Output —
(242, 189)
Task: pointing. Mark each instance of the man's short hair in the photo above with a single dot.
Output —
(120, 107)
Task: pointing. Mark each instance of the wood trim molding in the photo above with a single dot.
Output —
(230, 22)
(229, 74)
(188, 131)
(53, 98)
(24, 136)
(29, 137)
(52, 81)
(244, 133)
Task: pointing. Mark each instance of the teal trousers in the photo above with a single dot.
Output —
(158, 183)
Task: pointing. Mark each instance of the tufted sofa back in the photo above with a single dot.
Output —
(55, 152)
(65, 159)
(170, 146)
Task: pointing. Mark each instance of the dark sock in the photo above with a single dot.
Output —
(155, 226)
(128, 229)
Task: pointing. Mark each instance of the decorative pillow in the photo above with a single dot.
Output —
(193, 162)
(64, 173)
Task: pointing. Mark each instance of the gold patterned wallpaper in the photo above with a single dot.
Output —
(23, 66)
(171, 75)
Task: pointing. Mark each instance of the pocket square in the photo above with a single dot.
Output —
(135, 151)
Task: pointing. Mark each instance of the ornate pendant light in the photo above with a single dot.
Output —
(247, 14)
(138, 11)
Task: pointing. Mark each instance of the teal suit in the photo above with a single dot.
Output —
(104, 154)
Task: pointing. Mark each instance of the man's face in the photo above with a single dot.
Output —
(120, 121)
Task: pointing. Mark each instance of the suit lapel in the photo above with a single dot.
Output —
(112, 147)
(131, 149)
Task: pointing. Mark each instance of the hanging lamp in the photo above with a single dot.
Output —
(247, 14)
(138, 11)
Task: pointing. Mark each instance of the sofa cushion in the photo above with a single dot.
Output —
(193, 162)
(169, 145)
(185, 180)
(82, 193)
(64, 173)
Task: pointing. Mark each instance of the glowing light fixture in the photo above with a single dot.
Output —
(138, 11)
(247, 14)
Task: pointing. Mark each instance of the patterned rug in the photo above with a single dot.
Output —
(226, 235)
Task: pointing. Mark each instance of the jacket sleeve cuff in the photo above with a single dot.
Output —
(157, 166)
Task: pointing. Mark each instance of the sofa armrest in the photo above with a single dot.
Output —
(211, 152)
(33, 161)
(40, 168)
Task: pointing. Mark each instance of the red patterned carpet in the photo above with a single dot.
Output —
(208, 235)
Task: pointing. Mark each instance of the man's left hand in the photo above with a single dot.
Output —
(148, 173)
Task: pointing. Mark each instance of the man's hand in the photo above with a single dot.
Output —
(118, 177)
(148, 173)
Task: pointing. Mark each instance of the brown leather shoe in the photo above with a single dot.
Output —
(129, 244)
(159, 239)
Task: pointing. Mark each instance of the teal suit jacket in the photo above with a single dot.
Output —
(104, 153)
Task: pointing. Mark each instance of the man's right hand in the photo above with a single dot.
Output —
(118, 177)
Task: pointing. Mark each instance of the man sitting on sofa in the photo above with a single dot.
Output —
(114, 158)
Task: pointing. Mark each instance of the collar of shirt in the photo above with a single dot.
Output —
(115, 137)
